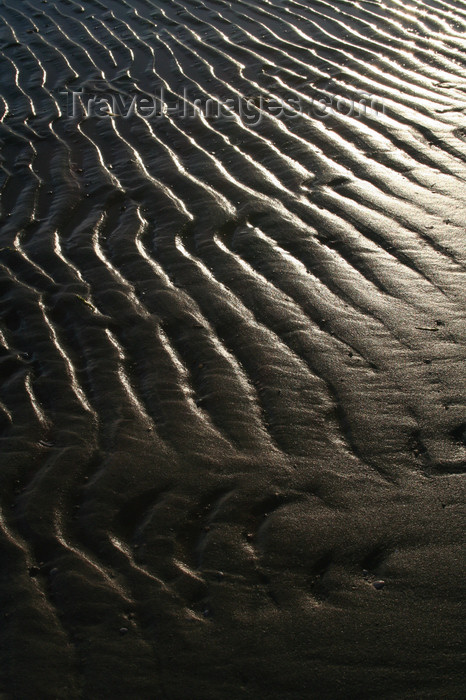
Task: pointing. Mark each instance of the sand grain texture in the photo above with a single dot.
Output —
(232, 355)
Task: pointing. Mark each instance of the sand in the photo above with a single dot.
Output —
(232, 349)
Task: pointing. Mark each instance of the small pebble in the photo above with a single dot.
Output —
(378, 585)
(123, 630)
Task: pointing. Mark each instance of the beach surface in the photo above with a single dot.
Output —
(232, 349)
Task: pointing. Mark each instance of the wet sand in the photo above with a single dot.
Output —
(232, 351)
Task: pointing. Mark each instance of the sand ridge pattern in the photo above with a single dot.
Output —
(232, 354)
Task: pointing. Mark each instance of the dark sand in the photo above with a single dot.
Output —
(232, 355)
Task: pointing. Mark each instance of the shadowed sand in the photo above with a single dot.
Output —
(232, 353)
